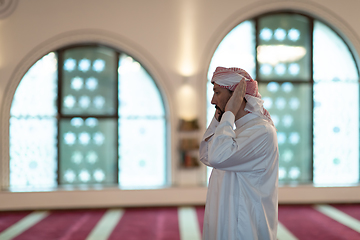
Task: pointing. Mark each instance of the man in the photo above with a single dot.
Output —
(242, 201)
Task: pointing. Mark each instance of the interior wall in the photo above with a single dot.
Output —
(174, 40)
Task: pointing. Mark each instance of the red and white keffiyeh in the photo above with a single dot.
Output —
(229, 78)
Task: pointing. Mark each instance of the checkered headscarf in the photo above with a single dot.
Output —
(229, 78)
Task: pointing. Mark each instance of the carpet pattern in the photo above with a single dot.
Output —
(320, 222)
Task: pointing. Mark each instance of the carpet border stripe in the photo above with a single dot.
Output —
(106, 224)
(284, 234)
(23, 225)
(188, 224)
(339, 216)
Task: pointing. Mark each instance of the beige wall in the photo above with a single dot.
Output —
(173, 39)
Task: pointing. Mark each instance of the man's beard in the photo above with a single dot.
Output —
(221, 112)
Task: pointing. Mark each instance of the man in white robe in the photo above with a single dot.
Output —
(242, 198)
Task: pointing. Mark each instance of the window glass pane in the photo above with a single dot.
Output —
(235, 50)
(37, 91)
(89, 81)
(142, 128)
(33, 152)
(142, 152)
(290, 107)
(138, 93)
(336, 110)
(332, 58)
(88, 151)
(33, 127)
(336, 133)
(283, 52)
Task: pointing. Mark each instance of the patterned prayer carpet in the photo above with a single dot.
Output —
(318, 222)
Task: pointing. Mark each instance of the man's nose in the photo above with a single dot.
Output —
(213, 100)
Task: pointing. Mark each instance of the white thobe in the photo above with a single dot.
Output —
(242, 197)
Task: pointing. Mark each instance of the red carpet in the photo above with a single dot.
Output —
(350, 209)
(162, 223)
(9, 218)
(200, 212)
(147, 223)
(64, 225)
(304, 222)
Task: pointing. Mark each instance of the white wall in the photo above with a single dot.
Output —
(172, 39)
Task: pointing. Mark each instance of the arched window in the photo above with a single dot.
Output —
(309, 82)
(87, 116)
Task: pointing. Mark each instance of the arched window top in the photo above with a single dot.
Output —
(309, 81)
(333, 60)
(284, 36)
(37, 92)
(236, 49)
(87, 115)
(134, 82)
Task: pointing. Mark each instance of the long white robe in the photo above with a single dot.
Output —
(242, 198)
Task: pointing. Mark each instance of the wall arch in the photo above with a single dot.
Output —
(72, 38)
(255, 9)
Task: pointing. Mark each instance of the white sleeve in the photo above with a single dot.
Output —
(247, 151)
(203, 151)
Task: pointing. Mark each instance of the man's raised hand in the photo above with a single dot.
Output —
(237, 98)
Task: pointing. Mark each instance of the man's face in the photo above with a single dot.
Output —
(220, 98)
